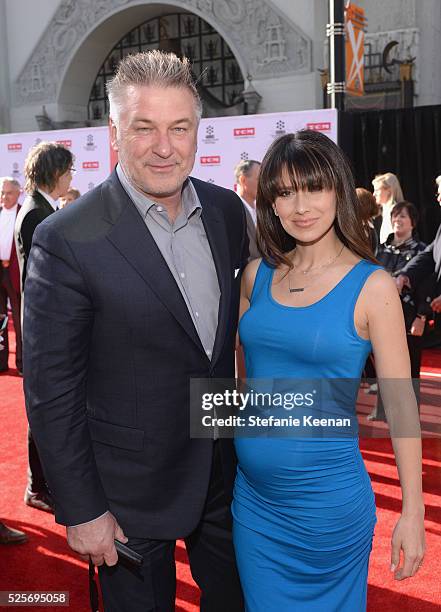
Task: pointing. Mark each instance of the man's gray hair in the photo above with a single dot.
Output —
(438, 180)
(151, 68)
(244, 167)
(9, 179)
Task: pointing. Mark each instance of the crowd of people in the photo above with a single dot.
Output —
(161, 270)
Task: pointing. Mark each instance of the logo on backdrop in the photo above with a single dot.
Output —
(210, 160)
(15, 147)
(37, 141)
(210, 136)
(90, 144)
(244, 156)
(91, 165)
(65, 143)
(90, 186)
(322, 126)
(210, 180)
(280, 129)
(16, 170)
(248, 132)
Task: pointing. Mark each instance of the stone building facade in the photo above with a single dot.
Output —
(53, 50)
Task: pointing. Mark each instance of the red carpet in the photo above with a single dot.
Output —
(45, 562)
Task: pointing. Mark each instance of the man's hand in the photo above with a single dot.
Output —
(402, 281)
(97, 539)
(418, 326)
(436, 304)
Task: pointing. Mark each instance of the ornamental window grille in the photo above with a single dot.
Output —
(213, 64)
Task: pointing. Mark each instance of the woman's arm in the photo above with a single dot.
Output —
(247, 284)
(246, 288)
(384, 322)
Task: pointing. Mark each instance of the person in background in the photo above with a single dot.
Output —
(71, 195)
(11, 536)
(387, 192)
(426, 267)
(48, 172)
(399, 249)
(247, 175)
(9, 269)
(369, 211)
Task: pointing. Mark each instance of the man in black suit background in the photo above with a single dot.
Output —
(48, 173)
(247, 176)
(130, 293)
(426, 266)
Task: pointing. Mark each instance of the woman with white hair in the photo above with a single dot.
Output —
(387, 192)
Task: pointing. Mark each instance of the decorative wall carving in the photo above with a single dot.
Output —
(269, 45)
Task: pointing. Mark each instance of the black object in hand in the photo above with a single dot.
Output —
(129, 555)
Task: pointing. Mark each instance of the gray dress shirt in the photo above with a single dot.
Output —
(185, 248)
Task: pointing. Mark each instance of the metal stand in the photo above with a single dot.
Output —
(335, 30)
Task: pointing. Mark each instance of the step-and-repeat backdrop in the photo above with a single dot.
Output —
(90, 146)
(222, 143)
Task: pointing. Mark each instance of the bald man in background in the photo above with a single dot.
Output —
(247, 176)
(9, 269)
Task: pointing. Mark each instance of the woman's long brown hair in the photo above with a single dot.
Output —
(313, 162)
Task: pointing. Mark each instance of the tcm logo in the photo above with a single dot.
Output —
(241, 132)
(280, 129)
(15, 171)
(91, 165)
(65, 143)
(15, 146)
(210, 136)
(210, 160)
(324, 126)
(90, 144)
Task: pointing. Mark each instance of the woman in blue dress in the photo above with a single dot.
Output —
(314, 307)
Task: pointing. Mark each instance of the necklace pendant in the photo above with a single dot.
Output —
(296, 289)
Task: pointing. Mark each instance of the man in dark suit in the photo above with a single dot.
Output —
(425, 266)
(247, 176)
(131, 292)
(9, 270)
(48, 172)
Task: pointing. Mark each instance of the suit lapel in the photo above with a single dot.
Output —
(42, 203)
(136, 244)
(216, 230)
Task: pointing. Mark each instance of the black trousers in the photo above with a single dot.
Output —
(211, 556)
(7, 290)
(36, 479)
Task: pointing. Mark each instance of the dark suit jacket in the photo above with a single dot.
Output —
(14, 271)
(425, 264)
(110, 349)
(251, 231)
(34, 210)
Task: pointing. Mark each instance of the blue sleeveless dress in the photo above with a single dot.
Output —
(303, 508)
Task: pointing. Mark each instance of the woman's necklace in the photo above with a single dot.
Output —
(320, 267)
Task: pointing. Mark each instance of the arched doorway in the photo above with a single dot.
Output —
(214, 66)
